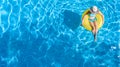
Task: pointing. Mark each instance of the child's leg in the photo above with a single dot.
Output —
(96, 30)
(96, 27)
(93, 27)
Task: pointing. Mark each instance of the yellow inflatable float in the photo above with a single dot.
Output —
(86, 23)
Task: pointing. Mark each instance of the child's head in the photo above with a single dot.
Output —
(94, 9)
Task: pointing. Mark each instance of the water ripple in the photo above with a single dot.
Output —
(36, 29)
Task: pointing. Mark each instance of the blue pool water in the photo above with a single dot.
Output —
(47, 33)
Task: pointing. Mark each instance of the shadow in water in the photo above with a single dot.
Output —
(71, 19)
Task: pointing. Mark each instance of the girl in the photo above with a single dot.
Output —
(92, 19)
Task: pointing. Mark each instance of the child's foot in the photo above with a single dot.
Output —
(81, 25)
(95, 37)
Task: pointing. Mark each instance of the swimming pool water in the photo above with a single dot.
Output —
(47, 33)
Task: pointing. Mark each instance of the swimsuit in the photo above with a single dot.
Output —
(93, 17)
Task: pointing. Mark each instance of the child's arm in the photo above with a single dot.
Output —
(82, 20)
